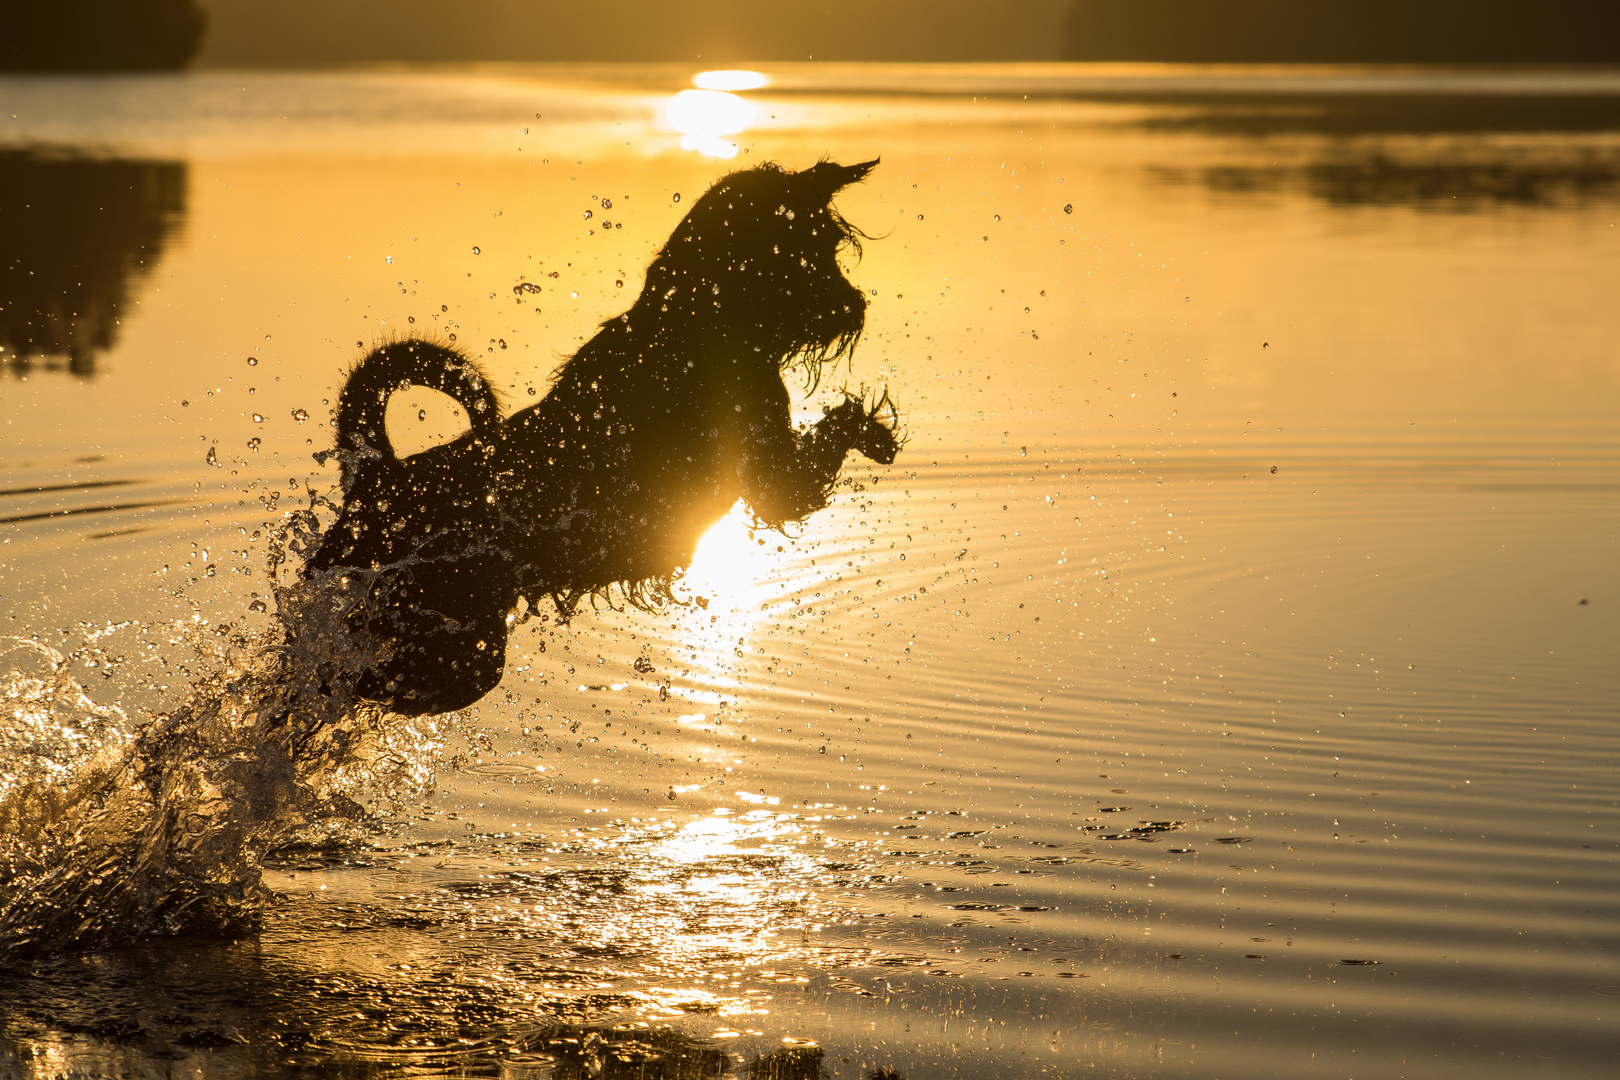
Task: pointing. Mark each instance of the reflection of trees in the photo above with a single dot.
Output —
(75, 232)
(99, 35)
(1382, 180)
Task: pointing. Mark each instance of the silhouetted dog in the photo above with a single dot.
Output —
(673, 411)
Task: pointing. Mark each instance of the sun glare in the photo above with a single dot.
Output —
(705, 117)
(728, 586)
(729, 562)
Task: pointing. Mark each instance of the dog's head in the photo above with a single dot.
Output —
(756, 258)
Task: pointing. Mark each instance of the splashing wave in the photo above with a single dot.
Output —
(112, 830)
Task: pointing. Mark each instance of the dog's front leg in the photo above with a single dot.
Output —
(789, 475)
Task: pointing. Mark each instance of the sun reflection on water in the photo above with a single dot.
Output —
(722, 835)
(705, 116)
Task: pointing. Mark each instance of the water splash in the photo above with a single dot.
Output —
(112, 830)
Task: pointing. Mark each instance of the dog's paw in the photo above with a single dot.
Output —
(874, 432)
(878, 441)
(879, 437)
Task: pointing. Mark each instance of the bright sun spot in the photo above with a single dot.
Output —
(701, 839)
(704, 117)
(730, 562)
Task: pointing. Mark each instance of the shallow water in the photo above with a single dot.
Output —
(1222, 682)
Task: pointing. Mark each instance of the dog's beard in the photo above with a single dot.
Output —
(827, 338)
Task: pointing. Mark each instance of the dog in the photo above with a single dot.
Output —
(649, 434)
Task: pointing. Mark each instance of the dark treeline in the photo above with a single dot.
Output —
(128, 35)
(73, 233)
(99, 35)
(1346, 31)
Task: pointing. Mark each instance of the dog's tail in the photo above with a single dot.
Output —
(362, 430)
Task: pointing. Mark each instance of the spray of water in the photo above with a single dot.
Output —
(113, 828)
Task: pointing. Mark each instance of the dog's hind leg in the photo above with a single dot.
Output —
(423, 534)
(446, 622)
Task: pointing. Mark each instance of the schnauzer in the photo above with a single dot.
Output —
(673, 411)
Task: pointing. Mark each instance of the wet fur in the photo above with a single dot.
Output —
(673, 411)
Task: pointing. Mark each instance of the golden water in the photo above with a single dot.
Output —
(1223, 682)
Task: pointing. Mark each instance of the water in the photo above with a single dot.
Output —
(1221, 683)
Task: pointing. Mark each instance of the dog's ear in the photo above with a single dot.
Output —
(819, 183)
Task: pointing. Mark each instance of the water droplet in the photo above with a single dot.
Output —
(998, 217)
(443, 307)
(421, 414)
(1265, 344)
(410, 318)
(253, 361)
(258, 418)
(388, 259)
(210, 570)
(1068, 208)
(501, 343)
(677, 196)
(477, 250)
(253, 444)
(299, 416)
(184, 404)
(257, 607)
(618, 284)
(212, 458)
(607, 204)
(588, 215)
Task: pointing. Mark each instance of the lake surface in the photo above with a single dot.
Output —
(1223, 682)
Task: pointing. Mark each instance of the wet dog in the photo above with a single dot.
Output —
(651, 432)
